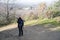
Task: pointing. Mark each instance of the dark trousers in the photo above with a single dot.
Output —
(20, 30)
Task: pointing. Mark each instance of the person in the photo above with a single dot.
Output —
(20, 26)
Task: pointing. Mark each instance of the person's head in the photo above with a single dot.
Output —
(19, 17)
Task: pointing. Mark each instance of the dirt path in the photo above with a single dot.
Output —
(36, 32)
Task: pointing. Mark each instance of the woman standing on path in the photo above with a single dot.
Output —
(20, 26)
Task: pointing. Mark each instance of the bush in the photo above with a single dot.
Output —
(56, 14)
(3, 19)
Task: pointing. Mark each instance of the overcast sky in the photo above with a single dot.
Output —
(31, 1)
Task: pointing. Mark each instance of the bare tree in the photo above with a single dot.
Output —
(8, 10)
(7, 17)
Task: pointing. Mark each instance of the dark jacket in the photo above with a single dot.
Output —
(20, 23)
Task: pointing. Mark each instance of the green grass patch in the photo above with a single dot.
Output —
(42, 22)
(31, 22)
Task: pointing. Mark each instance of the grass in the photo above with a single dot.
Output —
(42, 22)
(31, 22)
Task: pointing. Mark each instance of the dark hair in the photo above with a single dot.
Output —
(19, 18)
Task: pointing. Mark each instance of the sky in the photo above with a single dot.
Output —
(31, 1)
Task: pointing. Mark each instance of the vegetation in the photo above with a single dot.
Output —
(51, 15)
(43, 22)
(45, 15)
